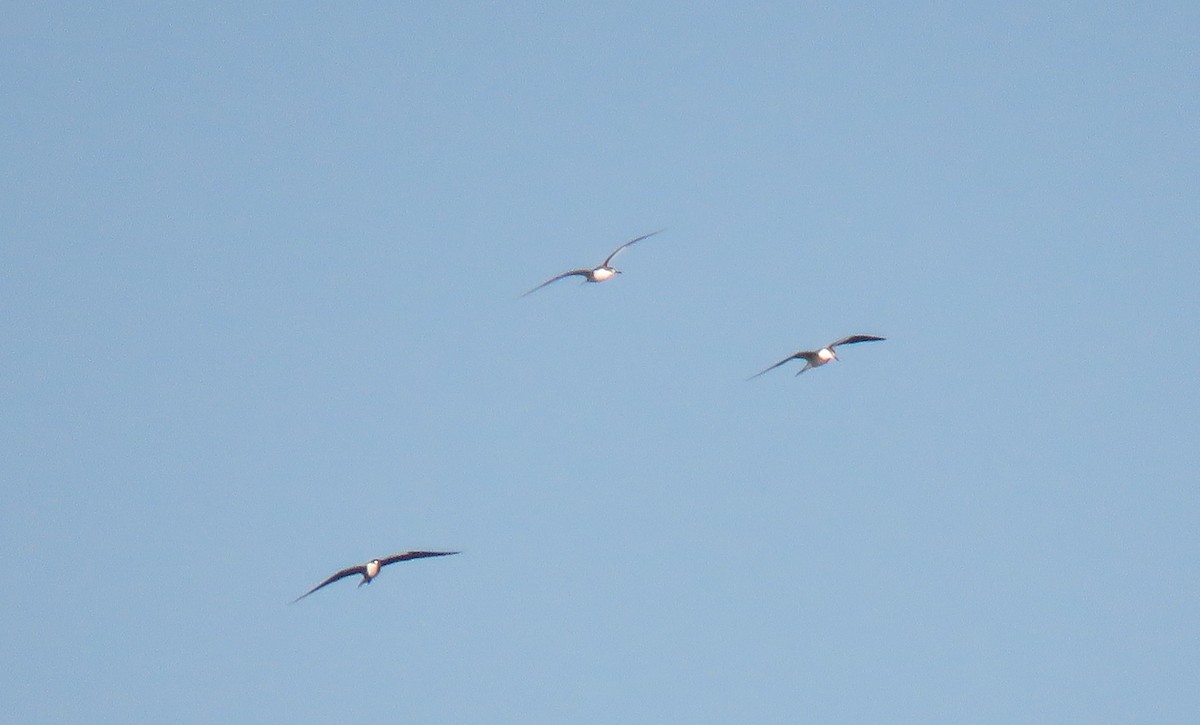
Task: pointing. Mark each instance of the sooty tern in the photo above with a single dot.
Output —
(595, 274)
(370, 570)
(817, 358)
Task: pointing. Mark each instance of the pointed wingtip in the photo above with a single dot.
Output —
(651, 234)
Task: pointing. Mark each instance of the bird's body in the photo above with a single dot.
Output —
(371, 569)
(601, 273)
(817, 358)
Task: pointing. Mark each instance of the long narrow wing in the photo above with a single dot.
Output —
(360, 569)
(855, 338)
(564, 275)
(413, 555)
(630, 243)
(786, 359)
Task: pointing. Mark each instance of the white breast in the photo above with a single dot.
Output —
(602, 274)
(825, 354)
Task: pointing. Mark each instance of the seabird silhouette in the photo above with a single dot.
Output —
(817, 358)
(595, 274)
(370, 570)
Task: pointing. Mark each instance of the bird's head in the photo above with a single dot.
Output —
(827, 354)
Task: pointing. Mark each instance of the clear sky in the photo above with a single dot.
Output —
(258, 276)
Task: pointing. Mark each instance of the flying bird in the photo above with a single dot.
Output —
(595, 274)
(370, 570)
(817, 358)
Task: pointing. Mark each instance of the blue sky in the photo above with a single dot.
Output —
(258, 268)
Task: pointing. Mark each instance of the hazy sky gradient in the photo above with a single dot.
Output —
(258, 272)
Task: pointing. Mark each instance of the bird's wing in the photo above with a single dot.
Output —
(351, 571)
(564, 275)
(855, 338)
(630, 243)
(413, 555)
(786, 359)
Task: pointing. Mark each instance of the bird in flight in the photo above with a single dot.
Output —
(370, 570)
(595, 274)
(817, 358)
